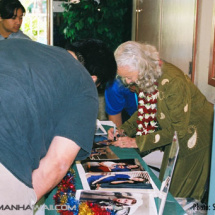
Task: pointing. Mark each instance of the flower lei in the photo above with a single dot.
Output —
(146, 118)
(65, 196)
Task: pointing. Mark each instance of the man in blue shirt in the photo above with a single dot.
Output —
(120, 102)
(11, 14)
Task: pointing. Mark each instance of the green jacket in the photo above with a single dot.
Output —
(183, 108)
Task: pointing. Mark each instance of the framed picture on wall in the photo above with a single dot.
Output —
(211, 73)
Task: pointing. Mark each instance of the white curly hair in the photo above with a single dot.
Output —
(143, 58)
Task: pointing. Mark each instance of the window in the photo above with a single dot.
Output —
(35, 20)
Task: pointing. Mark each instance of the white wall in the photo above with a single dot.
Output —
(203, 38)
(203, 49)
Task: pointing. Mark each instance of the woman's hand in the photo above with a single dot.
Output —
(111, 133)
(125, 142)
(118, 133)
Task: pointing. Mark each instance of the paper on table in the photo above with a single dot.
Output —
(100, 129)
(109, 123)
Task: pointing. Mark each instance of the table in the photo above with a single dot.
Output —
(171, 206)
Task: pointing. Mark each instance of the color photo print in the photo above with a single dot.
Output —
(111, 165)
(123, 174)
(129, 181)
(103, 153)
(126, 203)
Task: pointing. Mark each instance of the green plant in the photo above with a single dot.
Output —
(110, 21)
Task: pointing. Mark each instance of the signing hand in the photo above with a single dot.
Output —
(111, 135)
(125, 142)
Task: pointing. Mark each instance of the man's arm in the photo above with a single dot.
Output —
(117, 119)
(54, 166)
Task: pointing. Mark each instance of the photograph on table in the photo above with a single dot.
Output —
(102, 153)
(111, 165)
(104, 142)
(125, 203)
(137, 180)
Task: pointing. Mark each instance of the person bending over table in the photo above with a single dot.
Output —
(48, 111)
(120, 102)
(167, 101)
(11, 15)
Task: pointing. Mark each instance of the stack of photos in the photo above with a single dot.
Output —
(122, 186)
(121, 174)
(117, 203)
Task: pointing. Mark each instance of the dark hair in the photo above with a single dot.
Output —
(7, 8)
(97, 59)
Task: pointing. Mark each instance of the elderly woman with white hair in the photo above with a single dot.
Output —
(167, 101)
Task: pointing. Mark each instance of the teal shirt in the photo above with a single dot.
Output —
(44, 92)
